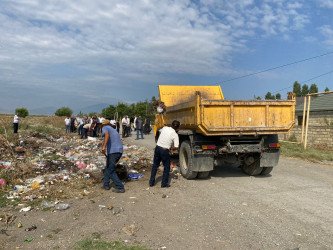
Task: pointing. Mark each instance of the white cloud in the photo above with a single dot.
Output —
(327, 32)
(116, 41)
(326, 3)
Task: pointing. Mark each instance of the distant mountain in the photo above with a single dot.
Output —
(95, 108)
(43, 111)
(92, 108)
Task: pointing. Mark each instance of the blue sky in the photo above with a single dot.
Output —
(79, 53)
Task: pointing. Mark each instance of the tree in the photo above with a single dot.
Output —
(278, 96)
(64, 111)
(269, 96)
(305, 90)
(297, 89)
(22, 112)
(122, 109)
(313, 88)
(327, 89)
(109, 112)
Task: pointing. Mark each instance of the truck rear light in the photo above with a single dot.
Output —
(274, 145)
(208, 147)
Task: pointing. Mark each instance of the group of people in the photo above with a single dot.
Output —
(141, 127)
(112, 148)
(93, 126)
(84, 126)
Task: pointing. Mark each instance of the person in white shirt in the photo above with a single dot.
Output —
(68, 124)
(134, 122)
(125, 122)
(167, 142)
(16, 122)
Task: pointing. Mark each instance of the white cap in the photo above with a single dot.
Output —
(113, 122)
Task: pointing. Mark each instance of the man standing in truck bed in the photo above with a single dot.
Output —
(167, 142)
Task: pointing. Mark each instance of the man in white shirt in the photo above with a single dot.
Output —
(16, 122)
(167, 142)
(68, 124)
(125, 122)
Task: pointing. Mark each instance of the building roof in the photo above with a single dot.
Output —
(318, 103)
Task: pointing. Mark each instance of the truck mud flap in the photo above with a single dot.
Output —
(203, 163)
(269, 159)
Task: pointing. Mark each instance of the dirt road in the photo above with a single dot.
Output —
(290, 209)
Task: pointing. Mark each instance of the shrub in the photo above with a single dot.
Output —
(22, 112)
(64, 111)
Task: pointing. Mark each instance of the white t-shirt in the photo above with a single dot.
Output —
(134, 124)
(68, 121)
(124, 121)
(16, 119)
(168, 136)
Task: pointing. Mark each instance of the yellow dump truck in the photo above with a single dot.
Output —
(215, 131)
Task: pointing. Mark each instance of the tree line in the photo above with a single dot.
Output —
(298, 89)
(143, 109)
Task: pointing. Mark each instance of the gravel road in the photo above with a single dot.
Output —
(290, 209)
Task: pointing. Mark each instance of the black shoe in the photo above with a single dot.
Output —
(151, 184)
(106, 188)
(166, 186)
(118, 190)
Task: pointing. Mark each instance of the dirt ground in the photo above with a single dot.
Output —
(290, 209)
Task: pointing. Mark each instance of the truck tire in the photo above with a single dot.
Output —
(203, 175)
(266, 170)
(186, 161)
(253, 169)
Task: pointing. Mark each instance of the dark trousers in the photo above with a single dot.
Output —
(110, 171)
(80, 129)
(73, 129)
(161, 155)
(84, 133)
(123, 130)
(15, 127)
(137, 133)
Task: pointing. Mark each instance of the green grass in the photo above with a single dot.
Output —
(310, 154)
(100, 244)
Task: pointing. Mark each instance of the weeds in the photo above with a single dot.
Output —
(310, 154)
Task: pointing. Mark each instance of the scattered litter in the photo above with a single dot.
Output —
(117, 210)
(3, 182)
(26, 209)
(62, 206)
(29, 240)
(19, 225)
(32, 228)
(46, 204)
(135, 176)
(110, 207)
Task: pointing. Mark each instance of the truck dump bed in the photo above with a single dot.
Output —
(204, 110)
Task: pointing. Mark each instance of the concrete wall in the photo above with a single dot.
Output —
(322, 118)
(320, 136)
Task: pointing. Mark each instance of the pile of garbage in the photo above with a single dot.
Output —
(39, 166)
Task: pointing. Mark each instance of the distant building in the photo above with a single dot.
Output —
(320, 132)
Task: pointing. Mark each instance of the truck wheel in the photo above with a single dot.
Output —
(203, 175)
(253, 169)
(266, 170)
(186, 161)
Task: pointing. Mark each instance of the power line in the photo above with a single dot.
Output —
(305, 81)
(278, 67)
